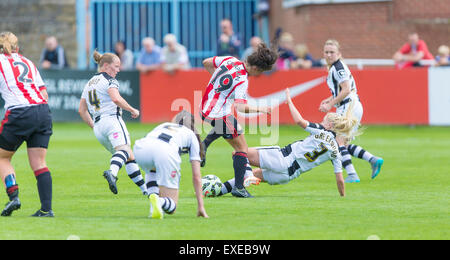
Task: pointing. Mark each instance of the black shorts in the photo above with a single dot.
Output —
(227, 126)
(30, 124)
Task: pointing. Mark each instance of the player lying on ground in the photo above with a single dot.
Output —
(343, 89)
(102, 100)
(281, 165)
(158, 153)
(27, 119)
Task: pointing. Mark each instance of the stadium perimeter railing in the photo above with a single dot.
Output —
(361, 63)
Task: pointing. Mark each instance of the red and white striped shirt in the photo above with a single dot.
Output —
(20, 81)
(228, 84)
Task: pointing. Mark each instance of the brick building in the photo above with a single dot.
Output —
(34, 20)
(365, 30)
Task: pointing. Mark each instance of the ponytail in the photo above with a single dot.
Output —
(344, 125)
(263, 58)
(105, 58)
(8, 43)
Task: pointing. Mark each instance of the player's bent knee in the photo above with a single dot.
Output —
(125, 148)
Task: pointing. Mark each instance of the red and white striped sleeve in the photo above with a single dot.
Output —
(218, 60)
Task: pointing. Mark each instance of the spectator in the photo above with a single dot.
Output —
(149, 58)
(53, 55)
(125, 55)
(443, 57)
(229, 43)
(304, 58)
(254, 42)
(412, 52)
(286, 51)
(174, 55)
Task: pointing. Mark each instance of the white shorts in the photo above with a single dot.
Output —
(357, 111)
(111, 132)
(275, 166)
(152, 153)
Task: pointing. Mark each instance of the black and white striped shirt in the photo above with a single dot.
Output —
(338, 73)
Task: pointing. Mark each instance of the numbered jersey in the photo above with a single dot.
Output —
(182, 139)
(228, 84)
(319, 147)
(96, 95)
(338, 73)
(20, 82)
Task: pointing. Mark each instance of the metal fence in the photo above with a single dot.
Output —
(196, 23)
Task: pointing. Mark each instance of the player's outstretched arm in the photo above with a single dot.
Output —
(246, 108)
(340, 184)
(197, 181)
(84, 113)
(209, 65)
(121, 102)
(298, 119)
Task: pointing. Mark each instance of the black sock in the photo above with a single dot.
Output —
(239, 165)
(44, 185)
(211, 137)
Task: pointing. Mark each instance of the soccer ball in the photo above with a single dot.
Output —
(211, 186)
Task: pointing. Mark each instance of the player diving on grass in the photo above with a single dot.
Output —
(282, 165)
(159, 155)
(343, 89)
(102, 100)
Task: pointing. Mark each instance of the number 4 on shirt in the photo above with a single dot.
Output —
(93, 99)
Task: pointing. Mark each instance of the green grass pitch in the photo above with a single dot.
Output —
(408, 200)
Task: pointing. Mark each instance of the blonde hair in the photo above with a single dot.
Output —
(105, 58)
(8, 43)
(344, 125)
(333, 42)
(444, 50)
(301, 50)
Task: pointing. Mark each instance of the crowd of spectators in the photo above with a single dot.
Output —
(173, 56)
(415, 53)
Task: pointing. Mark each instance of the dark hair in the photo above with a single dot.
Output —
(123, 43)
(263, 58)
(187, 119)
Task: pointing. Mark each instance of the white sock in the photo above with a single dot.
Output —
(227, 186)
(167, 204)
(248, 170)
(118, 159)
(135, 175)
(347, 161)
(151, 184)
(358, 151)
